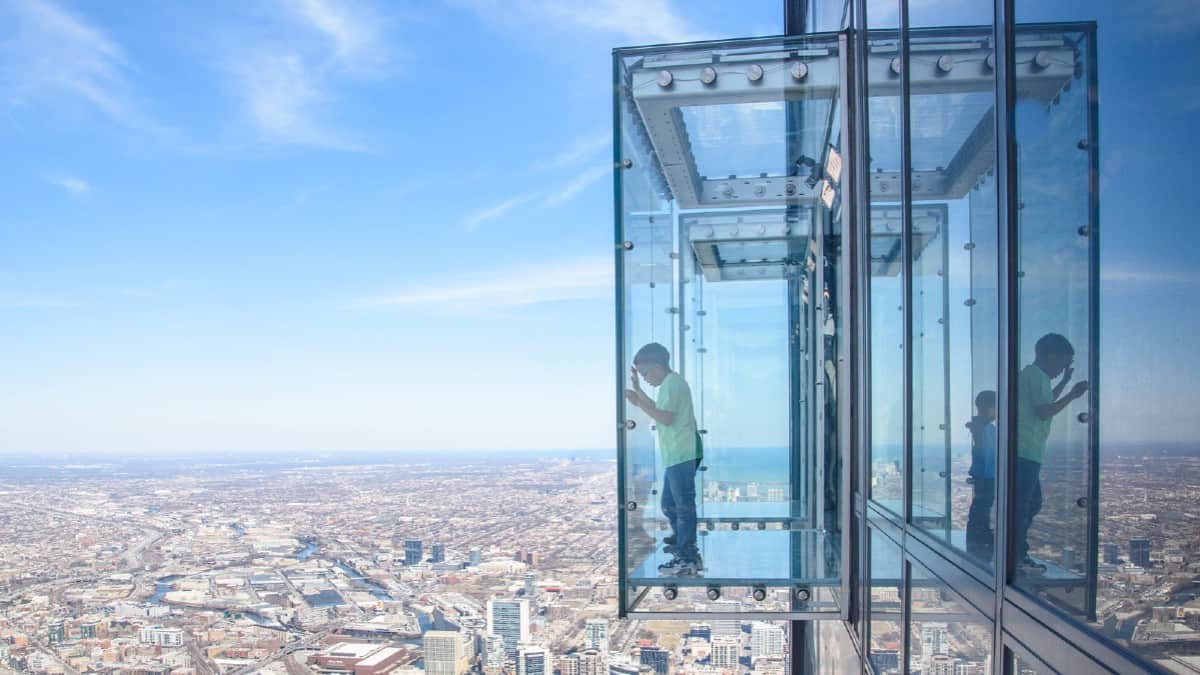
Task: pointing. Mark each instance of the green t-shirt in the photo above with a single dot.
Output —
(677, 442)
(1033, 391)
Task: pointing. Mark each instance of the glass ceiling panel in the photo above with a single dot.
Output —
(750, 139)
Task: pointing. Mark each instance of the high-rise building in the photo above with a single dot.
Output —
(1112, 554)
(494, 654)
(725, 651)
(530, 584)
(412, 551)
(595, 634)
(657, 658)
(446, 653)
(475, 556)
(510, 620)
(592, 661)
(890, 216)
(567, 664)
(533, 660)
(57, 632)
(766, 641)
(700, 630)
(933, 638)
(1139, 552)
(437, 553)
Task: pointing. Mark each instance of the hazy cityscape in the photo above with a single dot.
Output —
(300, 567)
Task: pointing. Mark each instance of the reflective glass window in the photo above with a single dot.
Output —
(946, 635)
(954, 276)
(885, 630)
(886, 276)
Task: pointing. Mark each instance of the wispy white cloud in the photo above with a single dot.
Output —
(51, 56)
(480, 216)
(288, 87)
(578, 184)
(578, 150)
(632, 20)
(74, 185)
(353, 30)
(585, 279)
(1125, 274)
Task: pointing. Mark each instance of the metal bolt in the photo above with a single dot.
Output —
(665, 78)
(627, 164)
(670, 592)
(632, 506)
(627, 245)
(1042, 59)
(714, 593)
(708, 75)
(896, 65)
(1084, 230)
(631, 424)
(803, 594)
(759, 593)
(990, 62)
(789, 189)
(799, 71)
(754, 73)
(945, 63)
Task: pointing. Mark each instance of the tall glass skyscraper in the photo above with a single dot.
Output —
(870, 250)
(510, 620)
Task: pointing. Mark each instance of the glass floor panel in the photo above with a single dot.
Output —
(770, 557)
(739, 512)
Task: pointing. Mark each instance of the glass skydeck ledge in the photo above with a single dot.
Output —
(733, 213)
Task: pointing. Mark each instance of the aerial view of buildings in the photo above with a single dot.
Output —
(502, 565)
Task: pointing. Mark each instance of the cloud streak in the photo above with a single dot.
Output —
(286, 87)
(637, 21)
(480, 216)
(50, 56)
(576, 185)
(76, 187)
(586, 279)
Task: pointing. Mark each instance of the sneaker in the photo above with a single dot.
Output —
(1031, 568)
(670, 566)
(689, 568)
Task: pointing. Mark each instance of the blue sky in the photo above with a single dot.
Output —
(303, 225)
(307, 224)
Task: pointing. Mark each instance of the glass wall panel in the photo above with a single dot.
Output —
(646, 236)
(946, 635)
(1147, 541)
(1053, 536)
(954, 311)
(885, 630)
(886, 406)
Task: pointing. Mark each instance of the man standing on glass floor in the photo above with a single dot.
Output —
(680, 448)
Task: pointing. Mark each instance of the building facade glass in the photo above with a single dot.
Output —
(870, 251)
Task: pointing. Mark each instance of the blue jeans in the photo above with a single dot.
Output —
(979, 519)
(679, 506)
(1027, 495)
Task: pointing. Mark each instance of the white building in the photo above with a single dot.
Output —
(447, 653)
(595, 634)
(162, 637)
(766, 640)
(725, 651)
